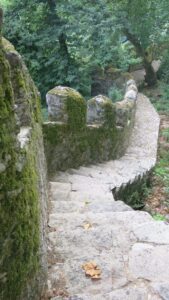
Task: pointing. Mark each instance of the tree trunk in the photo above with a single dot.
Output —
(150, 77)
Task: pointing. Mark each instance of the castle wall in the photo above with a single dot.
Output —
(23, 185)
(81, 133)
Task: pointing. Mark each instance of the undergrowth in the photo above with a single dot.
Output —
(158, 200)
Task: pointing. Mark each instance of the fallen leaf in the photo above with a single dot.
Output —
(92, 270)
(87, 226)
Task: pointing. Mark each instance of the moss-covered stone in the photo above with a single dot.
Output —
(104, 135)
(67, 105)
(68, 149)
(20, 211)
(101, 110)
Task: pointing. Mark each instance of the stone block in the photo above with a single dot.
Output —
(66, 105)
(96, 109)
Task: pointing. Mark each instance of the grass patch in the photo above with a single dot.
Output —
(159, 217)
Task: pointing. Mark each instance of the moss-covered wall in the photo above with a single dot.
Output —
(105, 138)
(23, 190)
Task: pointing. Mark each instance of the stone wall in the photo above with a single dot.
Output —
(81, 133)
(23, 187)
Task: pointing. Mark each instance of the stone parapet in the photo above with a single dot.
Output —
(81, 132)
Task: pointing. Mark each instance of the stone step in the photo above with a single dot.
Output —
(97, 204)
(81, 192)
(74, 220)
(86, 224)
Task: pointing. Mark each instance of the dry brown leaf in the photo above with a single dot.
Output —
(92, 270)
(87, 226)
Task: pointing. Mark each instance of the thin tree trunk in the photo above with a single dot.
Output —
(150, 77)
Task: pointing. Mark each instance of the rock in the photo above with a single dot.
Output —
(63, 102)
(162, 289)
(96, 109)
(155, 232)
(130, 82)
(132, 87)
(131, 95)
(129, 293)
(24, 136)
(149, 262)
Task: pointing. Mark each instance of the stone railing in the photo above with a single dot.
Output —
(81, 133)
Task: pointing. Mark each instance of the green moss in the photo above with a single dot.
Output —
(110, 114)
(74, 107)
(19, 198)
(76, 110)
(70, 149)
(74, 144)
(7, 45)
(20, 228)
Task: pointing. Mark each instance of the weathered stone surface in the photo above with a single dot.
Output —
(24, 136)
(162, 289)
(129, 293)
(131, 95)
(76, 139)
(58, 101)
(23, 184)
(155, 232)
(96, 109)
(150, 262)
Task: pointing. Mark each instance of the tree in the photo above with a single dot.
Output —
(63, 41)
(102, 24)
(38, 33)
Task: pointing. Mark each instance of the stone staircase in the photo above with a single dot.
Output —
(86, 224)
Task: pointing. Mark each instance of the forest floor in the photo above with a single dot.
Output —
(157, 200)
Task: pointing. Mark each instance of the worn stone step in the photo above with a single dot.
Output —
(81, 191)
(97, 205)
(86, 224)
(74, 220)
(113, 274)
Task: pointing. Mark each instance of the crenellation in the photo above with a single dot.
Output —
(80, 133)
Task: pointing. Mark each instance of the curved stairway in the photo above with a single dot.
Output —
(86, 224)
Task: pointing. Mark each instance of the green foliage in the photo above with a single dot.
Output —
(159, 217)
(44, 45)
(127, 56)
(115, 94)
(161, 102)
(165, 134)
(134, 194)
(63, 41)
(44, 114)
(164, 68)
